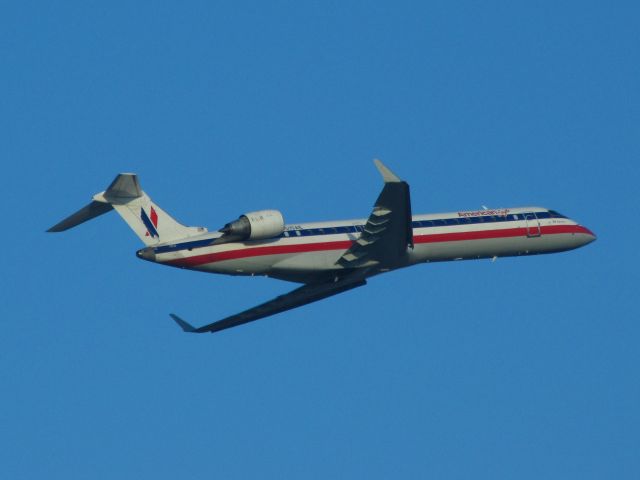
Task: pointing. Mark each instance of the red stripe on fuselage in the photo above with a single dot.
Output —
(500, 233)
(345, 244)
(259, 251)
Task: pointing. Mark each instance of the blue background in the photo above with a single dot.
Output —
(522, 368)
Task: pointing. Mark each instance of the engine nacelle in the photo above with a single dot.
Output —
(255, 225)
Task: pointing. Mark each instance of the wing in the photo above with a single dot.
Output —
(388, 231)
(301, 296)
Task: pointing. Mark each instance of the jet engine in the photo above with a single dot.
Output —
(254, 226)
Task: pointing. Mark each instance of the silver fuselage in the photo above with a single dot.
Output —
(308, 252)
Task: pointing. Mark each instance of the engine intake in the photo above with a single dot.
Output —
(255, 226)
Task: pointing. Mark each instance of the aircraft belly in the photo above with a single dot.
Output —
(298, 267)
(243, 266)
(312, 261)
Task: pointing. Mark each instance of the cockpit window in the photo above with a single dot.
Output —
(555, 214)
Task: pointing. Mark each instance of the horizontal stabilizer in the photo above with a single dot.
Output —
(94, 209)
(125, 185)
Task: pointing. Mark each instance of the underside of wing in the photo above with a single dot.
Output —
(388, 232)
(296, 298)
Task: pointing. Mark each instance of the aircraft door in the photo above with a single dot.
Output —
(532, 225)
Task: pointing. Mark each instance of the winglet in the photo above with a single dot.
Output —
(387, 175)
(184, 325)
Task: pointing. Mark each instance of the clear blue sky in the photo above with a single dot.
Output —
(523, 368)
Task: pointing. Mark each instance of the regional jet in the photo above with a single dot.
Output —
(329, 257)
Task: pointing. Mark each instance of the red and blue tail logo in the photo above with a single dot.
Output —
(150, 223)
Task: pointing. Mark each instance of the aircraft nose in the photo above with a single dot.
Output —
(147, 254)
(588, 235)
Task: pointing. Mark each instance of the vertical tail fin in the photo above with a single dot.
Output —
(149, 222)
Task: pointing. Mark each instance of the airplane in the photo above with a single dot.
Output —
(329, 258)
